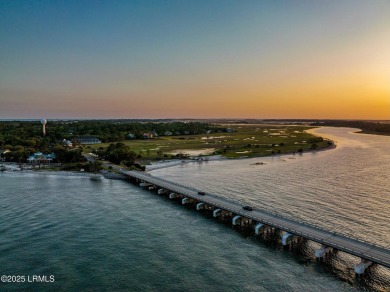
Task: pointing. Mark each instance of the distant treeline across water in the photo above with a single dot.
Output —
(367, 126)
(382, 128)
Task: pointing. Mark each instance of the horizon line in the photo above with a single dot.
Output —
(202, 119)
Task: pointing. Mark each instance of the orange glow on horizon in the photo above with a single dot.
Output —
(259, 65)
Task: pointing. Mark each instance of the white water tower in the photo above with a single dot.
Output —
(43, 122)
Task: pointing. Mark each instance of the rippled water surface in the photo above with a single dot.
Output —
(346, 189)
(112, 235)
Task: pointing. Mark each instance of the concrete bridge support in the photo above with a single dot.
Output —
(161, 191)
(222, 215)
(174, 196)
(242, 222)
(287, 238)
(200, 206)
(218, 208)
(361, 267)
(321, 252)
(217, 212)
(290, 239)
(259, 228)
(236, 220)
(185, 201)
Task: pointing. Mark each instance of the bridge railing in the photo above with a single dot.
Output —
(171, 182)
(267, 212)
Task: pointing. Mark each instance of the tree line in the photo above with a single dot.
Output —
(23, 138)
(382, 128)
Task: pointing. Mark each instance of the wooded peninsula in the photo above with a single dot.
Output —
(134, 143)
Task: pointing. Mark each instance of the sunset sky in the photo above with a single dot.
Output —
(195, 59)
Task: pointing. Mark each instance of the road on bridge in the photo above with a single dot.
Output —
(362, 249)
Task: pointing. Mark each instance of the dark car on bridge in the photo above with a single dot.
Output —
(201, 193)
(248, 208)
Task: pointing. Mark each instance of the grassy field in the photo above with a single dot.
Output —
(245, 141)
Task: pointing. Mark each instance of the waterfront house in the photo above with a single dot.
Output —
(40, 158)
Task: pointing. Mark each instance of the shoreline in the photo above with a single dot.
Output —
(49, 172)
(157, 165)
(221, 158)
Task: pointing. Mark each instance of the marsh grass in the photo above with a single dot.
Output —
(245, 141)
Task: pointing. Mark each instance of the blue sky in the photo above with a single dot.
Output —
(154, 59)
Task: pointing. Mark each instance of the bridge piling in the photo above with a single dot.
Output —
(323, 251)
(200, 206)
(266, 223)
(216, 212)
(287, 238)
(185, 200)
(173, 196)
(161, 191)
(235, 220)
(362, 266)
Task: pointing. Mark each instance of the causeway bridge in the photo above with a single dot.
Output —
(262, 220)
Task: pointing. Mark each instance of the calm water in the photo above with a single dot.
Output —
(111, 235)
